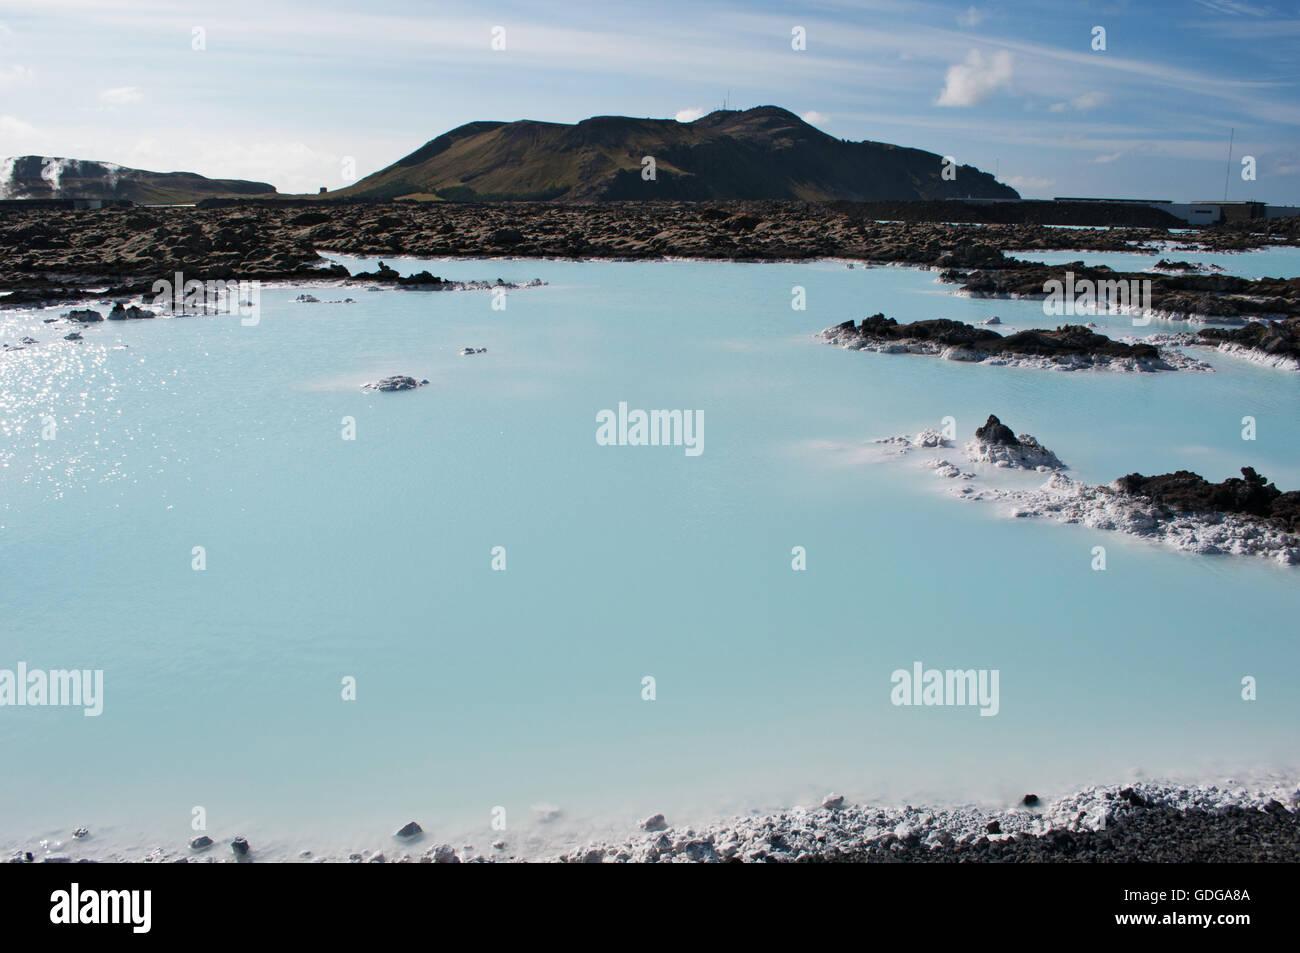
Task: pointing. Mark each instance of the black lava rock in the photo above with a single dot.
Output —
(996, 432)
(1186, 492)
(1132, 797)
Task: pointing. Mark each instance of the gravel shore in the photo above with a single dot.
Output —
(1140, 822)
(1136, 823)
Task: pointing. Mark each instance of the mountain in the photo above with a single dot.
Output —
(761, 153)
(47, 177)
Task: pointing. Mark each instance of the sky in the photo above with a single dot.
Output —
(311, 94)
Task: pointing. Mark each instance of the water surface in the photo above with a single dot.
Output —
(371, 558)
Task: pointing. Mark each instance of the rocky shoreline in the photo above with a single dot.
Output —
(1067, 348)
(1139, 822)
(1185, 295)
(1273, 344)
(1135, 823)
(52, 254)
(1244, 516)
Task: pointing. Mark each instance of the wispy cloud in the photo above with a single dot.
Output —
(893, 70)
(1022, 182)
(1235, 8)
(120, 95)
(1083, 103)
(15, 76)
(972, 82)
(13, 129)
(688, 115)
(814, 118)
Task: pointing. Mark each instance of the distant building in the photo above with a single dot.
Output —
(1203, 213)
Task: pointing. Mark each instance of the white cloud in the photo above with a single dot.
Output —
(1108, 157)
(1286, 166)
(976, 79)
(1233, 9)
(121, 95)
(291, 165)
(814, 118)
(11, 128)
(1081, 103)
(689, 115)
(971, 18)
(16, 76)
(1020, 182)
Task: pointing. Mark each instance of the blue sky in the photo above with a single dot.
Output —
(287, 91)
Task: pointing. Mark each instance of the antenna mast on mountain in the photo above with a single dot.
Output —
(1227, 172)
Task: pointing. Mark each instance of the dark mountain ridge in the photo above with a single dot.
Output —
(761, 153)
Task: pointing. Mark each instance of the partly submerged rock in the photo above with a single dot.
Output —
(995, 431)
(202, 842)
(442, 854)
(1067, 348)
(655, 822)
(1250, 495)
(545, 813)
(930, 439)
(997, 444)
(397, 382)
(84, 315)
(410, 829)
(1275, 343)
(1119, 509)
(240, 846)
(124, 312)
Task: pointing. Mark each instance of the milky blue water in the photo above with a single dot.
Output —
(1263, 263)
(475, 689)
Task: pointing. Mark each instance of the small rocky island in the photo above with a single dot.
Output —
(395, 383)
(1245, 515)
(1276, 344)
(1250, 496)
(1070, 347)
(995, 443)
(1178, 293)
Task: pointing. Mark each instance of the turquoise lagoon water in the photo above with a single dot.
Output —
(1279, 262)
(477, 689)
